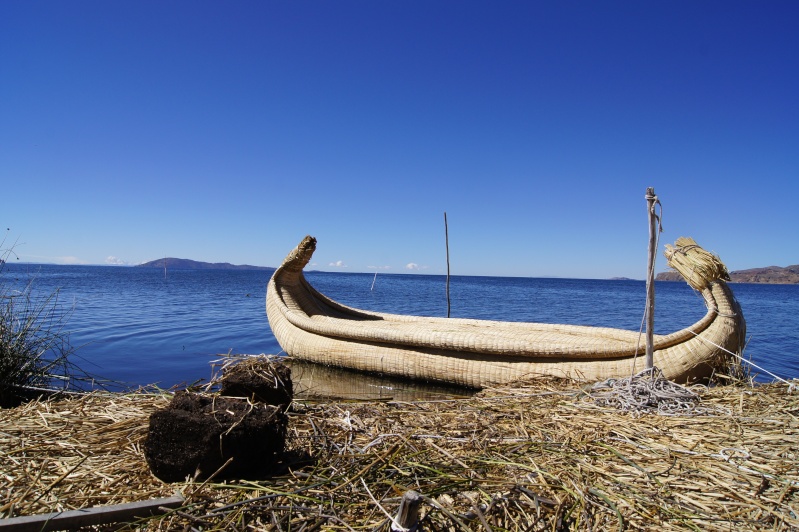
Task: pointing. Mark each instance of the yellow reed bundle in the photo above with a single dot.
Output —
(697, 266)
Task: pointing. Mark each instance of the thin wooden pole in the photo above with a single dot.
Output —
(446, 240)
(651, 199)
(100, 515)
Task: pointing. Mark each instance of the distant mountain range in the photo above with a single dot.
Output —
(187, 264)
(769, 275)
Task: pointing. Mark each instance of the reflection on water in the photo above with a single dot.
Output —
(314, 381)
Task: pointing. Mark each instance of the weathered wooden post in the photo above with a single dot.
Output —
(408, 512)
(651, 200)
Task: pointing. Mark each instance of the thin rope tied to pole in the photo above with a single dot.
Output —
(647, 392)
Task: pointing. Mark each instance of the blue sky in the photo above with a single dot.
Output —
(226, 131)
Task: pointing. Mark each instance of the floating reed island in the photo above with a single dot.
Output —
(545, 455)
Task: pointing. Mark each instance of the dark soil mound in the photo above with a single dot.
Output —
(198, 434)
(260, 380)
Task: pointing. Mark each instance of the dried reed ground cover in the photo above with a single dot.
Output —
(540, 458)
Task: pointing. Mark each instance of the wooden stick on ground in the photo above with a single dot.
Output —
(89, 516)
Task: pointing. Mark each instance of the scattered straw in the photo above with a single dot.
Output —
(540, 457)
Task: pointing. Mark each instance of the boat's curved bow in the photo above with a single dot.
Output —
(479, 353)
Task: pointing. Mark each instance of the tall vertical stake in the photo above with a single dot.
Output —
(651, 199)
(446, 241)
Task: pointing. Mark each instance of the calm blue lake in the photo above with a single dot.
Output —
(136, 327)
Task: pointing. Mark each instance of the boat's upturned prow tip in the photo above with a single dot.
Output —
(299, 257)
(696, 265)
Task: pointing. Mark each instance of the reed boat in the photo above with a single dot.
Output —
(475, 353)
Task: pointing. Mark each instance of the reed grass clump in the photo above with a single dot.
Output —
(35, 351)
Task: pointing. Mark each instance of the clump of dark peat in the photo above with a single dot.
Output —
(239, 432)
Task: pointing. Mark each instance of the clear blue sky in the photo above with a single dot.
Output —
(226, 131)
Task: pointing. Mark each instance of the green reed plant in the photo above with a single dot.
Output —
(35, 351)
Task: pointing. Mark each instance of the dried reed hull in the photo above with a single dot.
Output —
(528, 458)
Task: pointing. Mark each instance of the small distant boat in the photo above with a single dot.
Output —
(478, 353)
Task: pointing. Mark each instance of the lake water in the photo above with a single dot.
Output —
(136, 327)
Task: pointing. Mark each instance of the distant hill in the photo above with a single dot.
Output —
(187, 264)
(768, 275)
